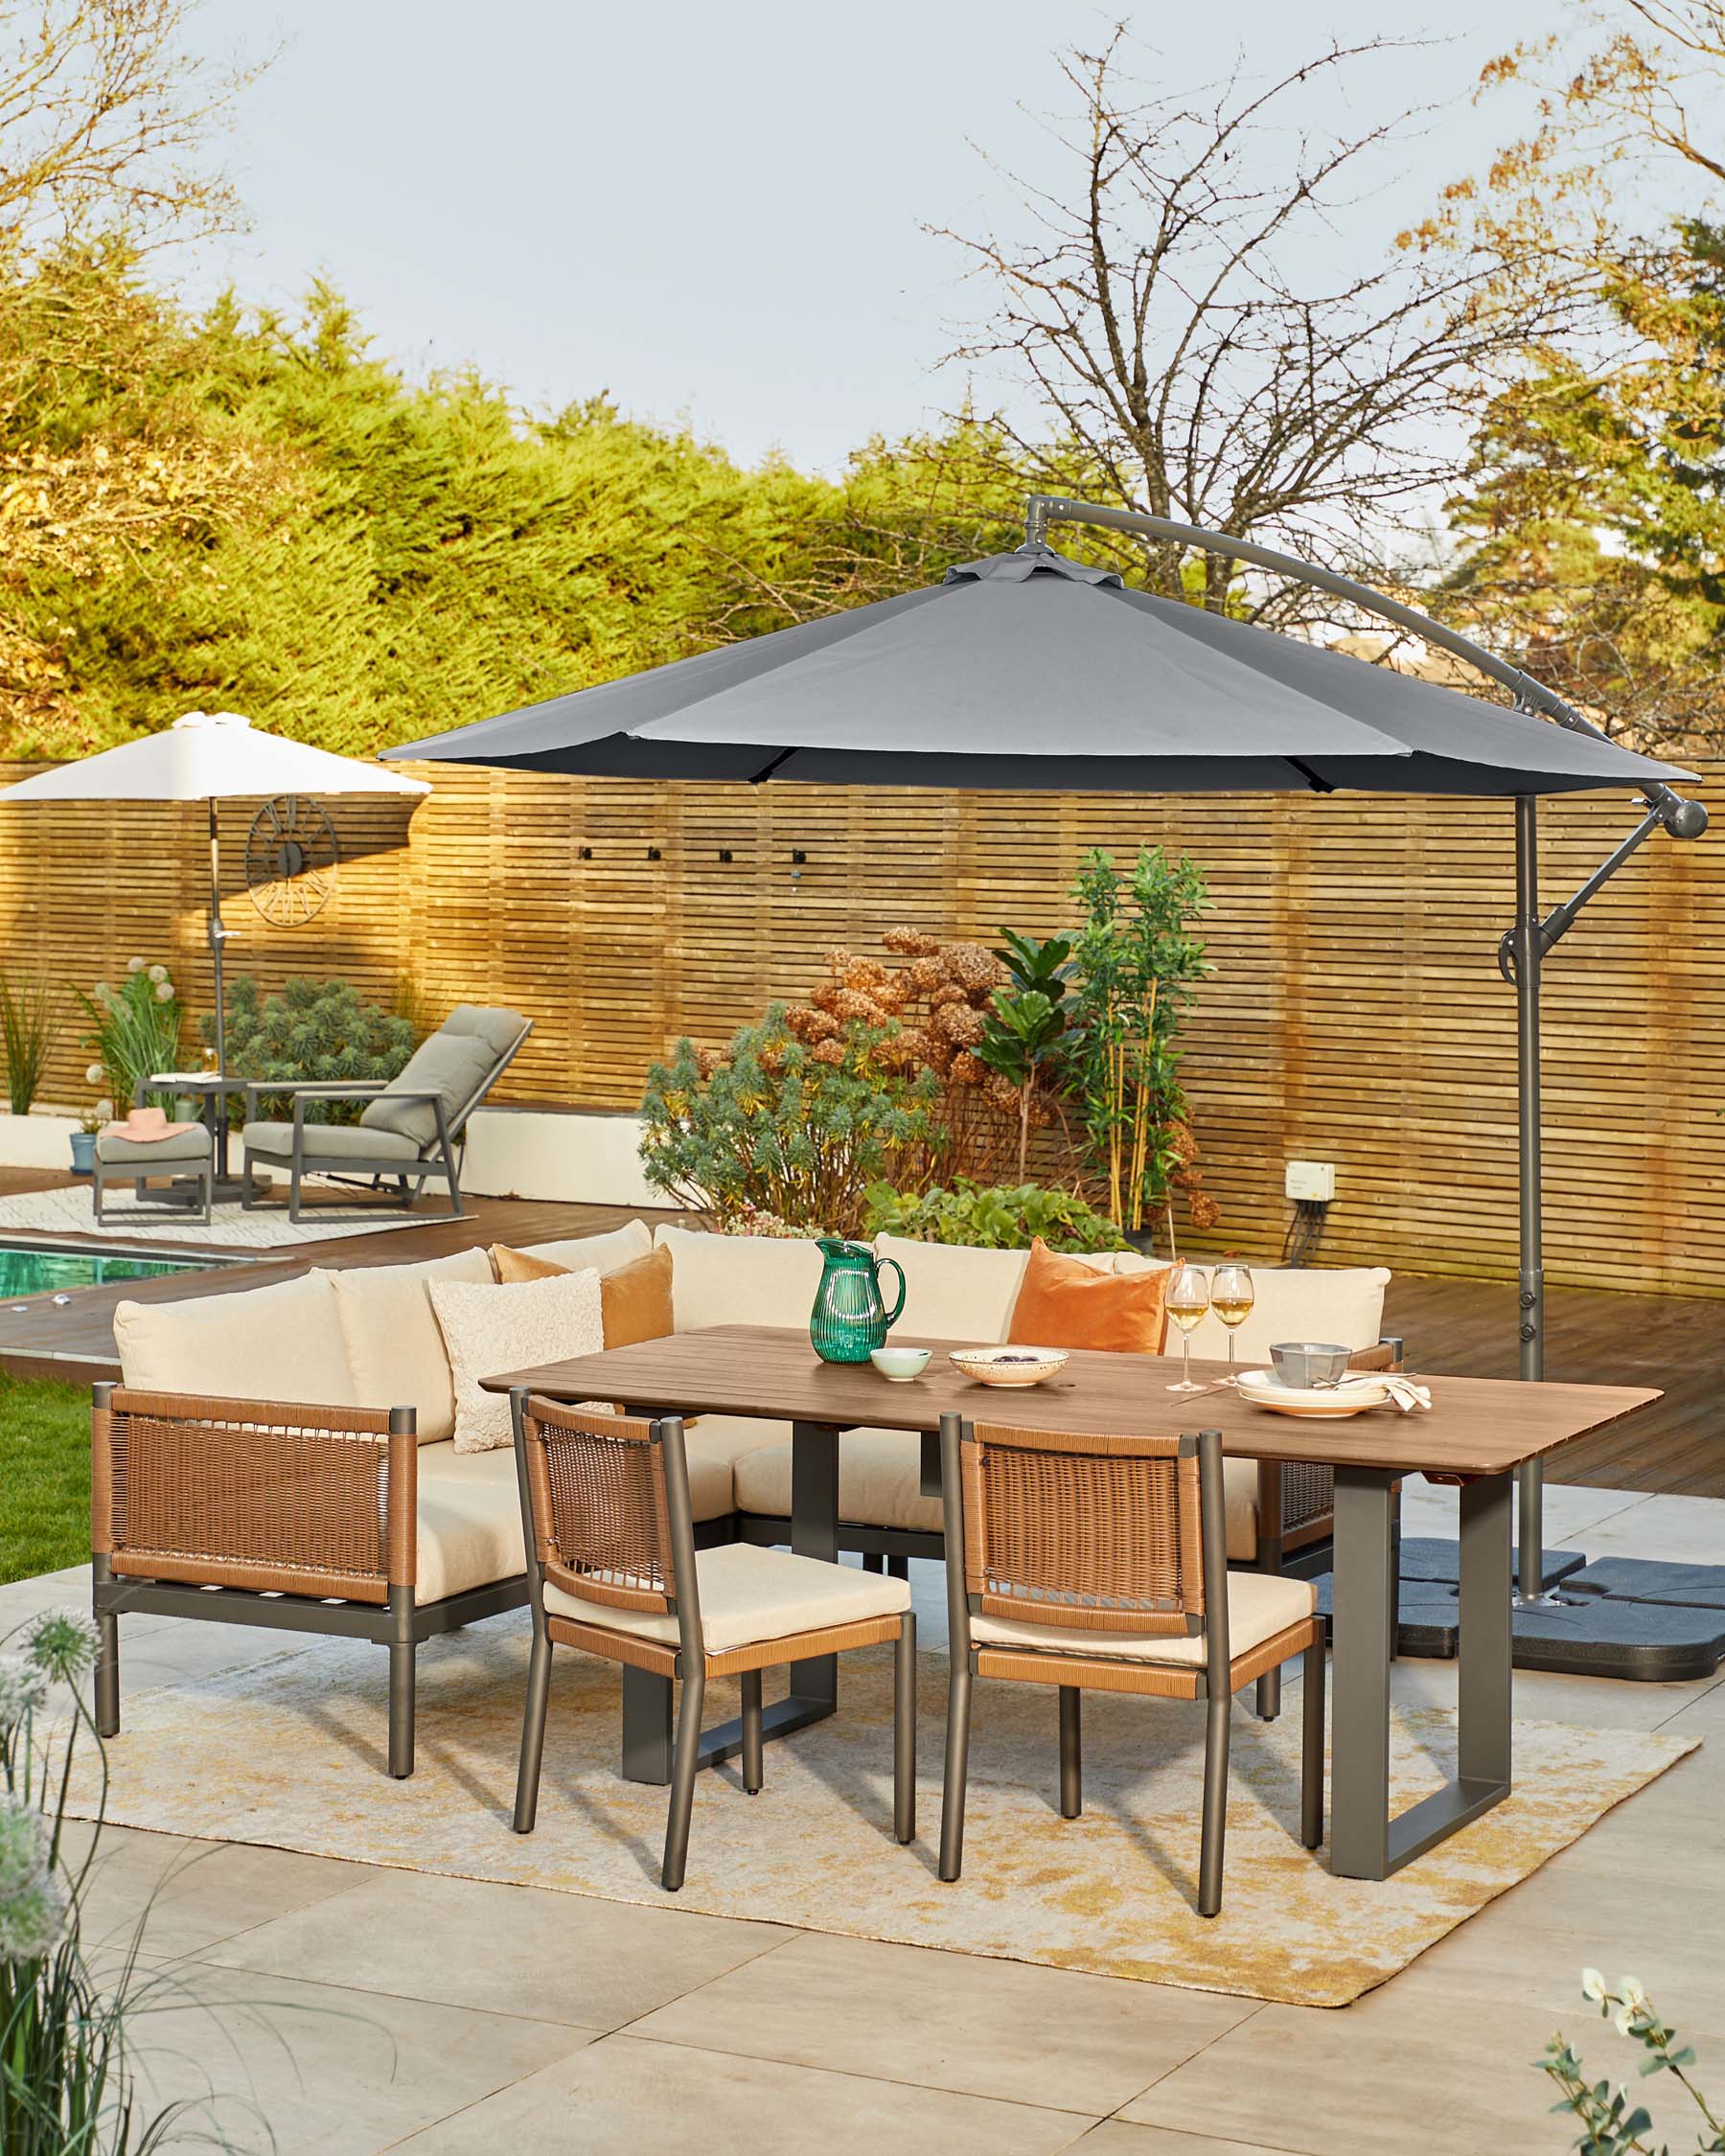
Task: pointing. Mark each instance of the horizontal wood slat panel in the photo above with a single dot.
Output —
(1356, 1014)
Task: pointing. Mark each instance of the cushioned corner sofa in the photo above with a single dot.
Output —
(283, 1455)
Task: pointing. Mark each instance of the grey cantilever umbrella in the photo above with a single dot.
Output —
(1028, 670)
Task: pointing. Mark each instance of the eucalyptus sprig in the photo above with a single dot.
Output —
(1612, 2125)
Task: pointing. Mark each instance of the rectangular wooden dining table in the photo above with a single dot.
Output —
(1476, 1433)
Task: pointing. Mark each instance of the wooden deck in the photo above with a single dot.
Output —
(1464, 1327)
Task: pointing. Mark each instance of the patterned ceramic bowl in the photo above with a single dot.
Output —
(1008, 1366)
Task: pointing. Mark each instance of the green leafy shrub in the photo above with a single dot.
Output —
(134, 1030)
(314, 1030)
(790, 1129)
(1008, 1217)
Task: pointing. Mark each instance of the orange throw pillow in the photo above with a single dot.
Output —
(1063, 1302)
(635, 1299)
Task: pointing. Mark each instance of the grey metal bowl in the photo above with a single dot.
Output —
(1307, 1363)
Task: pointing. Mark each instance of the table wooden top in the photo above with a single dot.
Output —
(1475, 1426)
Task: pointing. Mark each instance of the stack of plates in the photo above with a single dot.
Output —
(1327, 1402)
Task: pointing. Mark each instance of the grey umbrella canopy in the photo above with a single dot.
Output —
(1028, 671)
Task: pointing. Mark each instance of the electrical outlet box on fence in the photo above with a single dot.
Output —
(1312, 1179)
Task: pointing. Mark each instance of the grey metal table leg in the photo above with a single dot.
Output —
(1360, 1713)
(646, 1726)
(1364, 1842)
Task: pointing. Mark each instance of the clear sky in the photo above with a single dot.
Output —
(715, 210)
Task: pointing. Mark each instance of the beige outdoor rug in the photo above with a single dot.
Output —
(68, 1209)
(289, 1754)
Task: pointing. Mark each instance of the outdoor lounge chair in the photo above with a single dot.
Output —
(412, 1129)
(612, 1570)
(1101, 1563)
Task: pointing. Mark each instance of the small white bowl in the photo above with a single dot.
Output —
(900, 1365)
(1008, 1366)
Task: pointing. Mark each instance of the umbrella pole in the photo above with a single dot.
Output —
(217, 937)
(1529, 942)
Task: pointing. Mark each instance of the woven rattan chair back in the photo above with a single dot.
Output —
(1100, 1533)
(601, 1525)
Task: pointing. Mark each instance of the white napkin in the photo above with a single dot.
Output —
(1406, 1394)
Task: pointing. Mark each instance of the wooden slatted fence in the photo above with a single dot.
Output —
(1356, 1014)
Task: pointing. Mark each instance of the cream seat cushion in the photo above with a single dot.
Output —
(879, 1485)
(1340, 1304)
(470, 1521)
(1259, 1606)
(740, 1279)
(880, 1482)
(750, 1594)
(393, 1345)
(609, 1252)
(282, 1342)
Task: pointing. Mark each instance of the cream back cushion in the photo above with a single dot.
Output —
(604, 1253)
(740, 1279)
(957, 1293)
(394, 1346)
(1343, 1305)
(490, 1330)
(282, 1343)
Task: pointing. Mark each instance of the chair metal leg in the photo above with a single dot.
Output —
(1311, 1753)
(1269, 1694)
(903, 1731)
(684, 1769)
(108, 1664)
(533, 1734)
(753, 1772)
(957, 1764)
(402, 1653)
(1215, 1806)
(1071, 1752)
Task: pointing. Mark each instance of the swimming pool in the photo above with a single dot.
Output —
(25, 1270)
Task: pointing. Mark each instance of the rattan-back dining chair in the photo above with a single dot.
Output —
(613, 1568)
(1100, 1563)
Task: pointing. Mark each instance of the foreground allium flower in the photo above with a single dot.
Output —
(158, 973)
(164, 992)
(23, 1688)
(63, 1643)
(32, 1921)
(24, 1843)
(136, 965)
(94, 1074)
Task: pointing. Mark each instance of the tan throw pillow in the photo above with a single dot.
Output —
(490, 1330)
(393, 1342)
(1064, 1302)
(636, 1299)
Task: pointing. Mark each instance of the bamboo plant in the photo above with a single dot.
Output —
(1135, 963)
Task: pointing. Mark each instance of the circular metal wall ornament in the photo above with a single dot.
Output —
(290, 859)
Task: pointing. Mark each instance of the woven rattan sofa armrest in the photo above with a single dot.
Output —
(221, 1486)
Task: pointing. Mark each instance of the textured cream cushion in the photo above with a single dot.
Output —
(489, 1331)
(880, 1482)
(393, 1345)
(750, 1594)
(604, 1253)
(470, 1521)
(282, 1343)
(1134, 1261)
(725, 1440)
(1259, 1606)
(740, 1279)
(1341, 1304)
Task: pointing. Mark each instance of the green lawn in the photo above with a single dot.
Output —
(44, 1476)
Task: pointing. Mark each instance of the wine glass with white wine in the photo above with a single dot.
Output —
(1231, 1297)
(1188, 1298)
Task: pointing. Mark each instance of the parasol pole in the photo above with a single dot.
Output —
(1522, 949)
(218, 935)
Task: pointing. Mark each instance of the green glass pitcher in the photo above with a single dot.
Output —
(849, 1318)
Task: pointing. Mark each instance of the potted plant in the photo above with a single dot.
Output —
(89, 1124)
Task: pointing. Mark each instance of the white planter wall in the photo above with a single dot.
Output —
(37, 1140)
(579, 1160)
